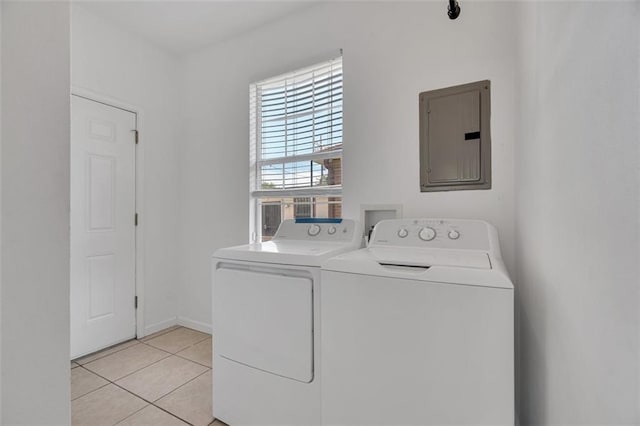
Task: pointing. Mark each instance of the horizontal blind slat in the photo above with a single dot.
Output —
(309, 192)
(277, 86)
(301, 110)
(325, 155)
(299, 131)
(304, 124)
(328, 85)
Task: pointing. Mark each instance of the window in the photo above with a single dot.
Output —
(296, 146)
(271, 218)
(302, 207)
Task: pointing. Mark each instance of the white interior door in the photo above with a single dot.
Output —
(102, 226)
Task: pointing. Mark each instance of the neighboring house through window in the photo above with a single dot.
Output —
(296, 147)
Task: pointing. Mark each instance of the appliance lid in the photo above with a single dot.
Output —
(461, 267)
(425, 257)
(286, 252)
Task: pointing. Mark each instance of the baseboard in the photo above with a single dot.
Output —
(153, 328)
(196, 325)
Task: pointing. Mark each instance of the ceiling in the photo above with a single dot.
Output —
(184, 26)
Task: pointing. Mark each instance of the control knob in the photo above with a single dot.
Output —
(402, 232)
(313, 230)
(331, 230)
(427, 234)
(453, 234)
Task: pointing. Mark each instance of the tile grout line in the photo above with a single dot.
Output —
(141, 397)
(149, 365)
(184, 384)
(182, 349)
(105, 355)
(188, 347)
(109, 382)
(135, 395)
(138, 341)
(132, 414)
(149, 403)
(160, 333)
(189, 381)
(199, 363)
(152, 403)
(175, 389)
(133, 372)
(172, 414)
(98, 388)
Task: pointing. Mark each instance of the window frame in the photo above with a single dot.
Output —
(255, 162)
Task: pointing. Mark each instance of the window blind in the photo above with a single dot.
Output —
(296, 126)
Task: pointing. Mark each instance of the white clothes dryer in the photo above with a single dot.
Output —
(266, 323)
(417, 329)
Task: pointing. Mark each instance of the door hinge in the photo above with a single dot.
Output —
(136, 219)
(136, 134)
(135, 302)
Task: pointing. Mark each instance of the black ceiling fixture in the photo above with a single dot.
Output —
(454, 9)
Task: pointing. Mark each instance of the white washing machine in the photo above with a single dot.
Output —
(266, 323)
(417, 329)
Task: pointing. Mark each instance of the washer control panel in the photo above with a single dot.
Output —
(344, 231)
(434, 233)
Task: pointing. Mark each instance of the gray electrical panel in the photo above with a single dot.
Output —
(455, 138)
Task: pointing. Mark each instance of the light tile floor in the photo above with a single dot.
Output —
(162, 379)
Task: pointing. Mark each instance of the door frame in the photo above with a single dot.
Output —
(139, 192)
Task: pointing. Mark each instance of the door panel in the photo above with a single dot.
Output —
(265, 321)
(101, 184)
(102, 226)
(101, 285)
(452, 157)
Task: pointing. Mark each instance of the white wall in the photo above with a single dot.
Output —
(564, 102)
(35, 213)
(0, 212)
(392, 52)
(117, 64)
(578, 237)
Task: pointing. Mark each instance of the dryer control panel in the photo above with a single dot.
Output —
(343, 230)
(458, 234)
